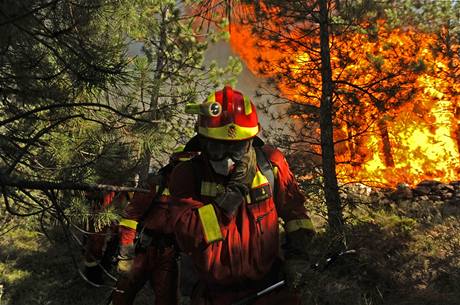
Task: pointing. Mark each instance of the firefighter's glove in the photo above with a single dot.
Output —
(298, 273)
(231, 199)
(125, 259)
(244, 171)
(239, 183)
(297, 267)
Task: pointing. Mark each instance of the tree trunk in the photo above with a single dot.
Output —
(387, 154)
(155, 92)
(331, 189)
(457, 130)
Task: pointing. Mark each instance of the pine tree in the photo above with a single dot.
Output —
(79, 107)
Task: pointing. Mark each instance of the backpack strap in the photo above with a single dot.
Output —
(265, 167)
(160, 187)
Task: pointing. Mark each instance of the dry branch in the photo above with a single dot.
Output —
(50, 185)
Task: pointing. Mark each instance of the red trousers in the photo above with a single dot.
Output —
(159, 268)
(98, 243)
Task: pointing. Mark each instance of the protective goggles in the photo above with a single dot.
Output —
(218, 150)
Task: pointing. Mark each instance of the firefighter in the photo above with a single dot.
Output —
(116, 167)
(101, 243)
(225, 206)
(153, 257)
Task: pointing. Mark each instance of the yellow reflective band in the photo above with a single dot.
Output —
(210, 223)
(247, 106)
(259, 179)
(210, 189)
(229, 132)
(275, 172)
(90, 264)
(296, 224)
(128, 223)
(166, 192)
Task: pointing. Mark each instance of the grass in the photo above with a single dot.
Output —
(405, 256)
(34, 271)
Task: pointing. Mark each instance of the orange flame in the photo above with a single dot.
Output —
(407, 129)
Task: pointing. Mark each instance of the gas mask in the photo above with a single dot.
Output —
(222, 167)
(224, 154)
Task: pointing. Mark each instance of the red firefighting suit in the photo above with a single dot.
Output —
(247, 259)
(100, 243)
(157, 263)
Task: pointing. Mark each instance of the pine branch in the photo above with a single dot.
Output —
(51, 185)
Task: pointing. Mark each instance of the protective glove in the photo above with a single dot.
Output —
(239, 183)
(125, 259)
(297, 267)
(245, 170)
(298, 273)
(230, 200)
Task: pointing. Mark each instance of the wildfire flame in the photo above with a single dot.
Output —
(414, 135)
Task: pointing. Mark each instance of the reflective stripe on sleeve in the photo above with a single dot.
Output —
(210, 223)
(211, 189)
(296, 224)
(128, 223)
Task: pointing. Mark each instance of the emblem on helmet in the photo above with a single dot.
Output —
(231, 132)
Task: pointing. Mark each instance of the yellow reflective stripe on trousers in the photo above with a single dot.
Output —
(90, 264)
(296, 224)
(211, 227)
(128, 223)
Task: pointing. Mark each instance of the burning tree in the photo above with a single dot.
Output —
(377, 99)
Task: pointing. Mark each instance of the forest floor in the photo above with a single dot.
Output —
(405, 256)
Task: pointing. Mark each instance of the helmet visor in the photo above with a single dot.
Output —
(218, 150)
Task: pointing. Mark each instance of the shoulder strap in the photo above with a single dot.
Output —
(265, 167)
(197, 170)
(159, 191)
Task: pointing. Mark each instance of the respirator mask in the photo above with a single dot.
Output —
(224, 154)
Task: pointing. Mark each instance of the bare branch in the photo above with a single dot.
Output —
(51, 185)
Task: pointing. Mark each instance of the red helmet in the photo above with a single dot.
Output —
(236, 120)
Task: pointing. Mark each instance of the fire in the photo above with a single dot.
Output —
(405, 128)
